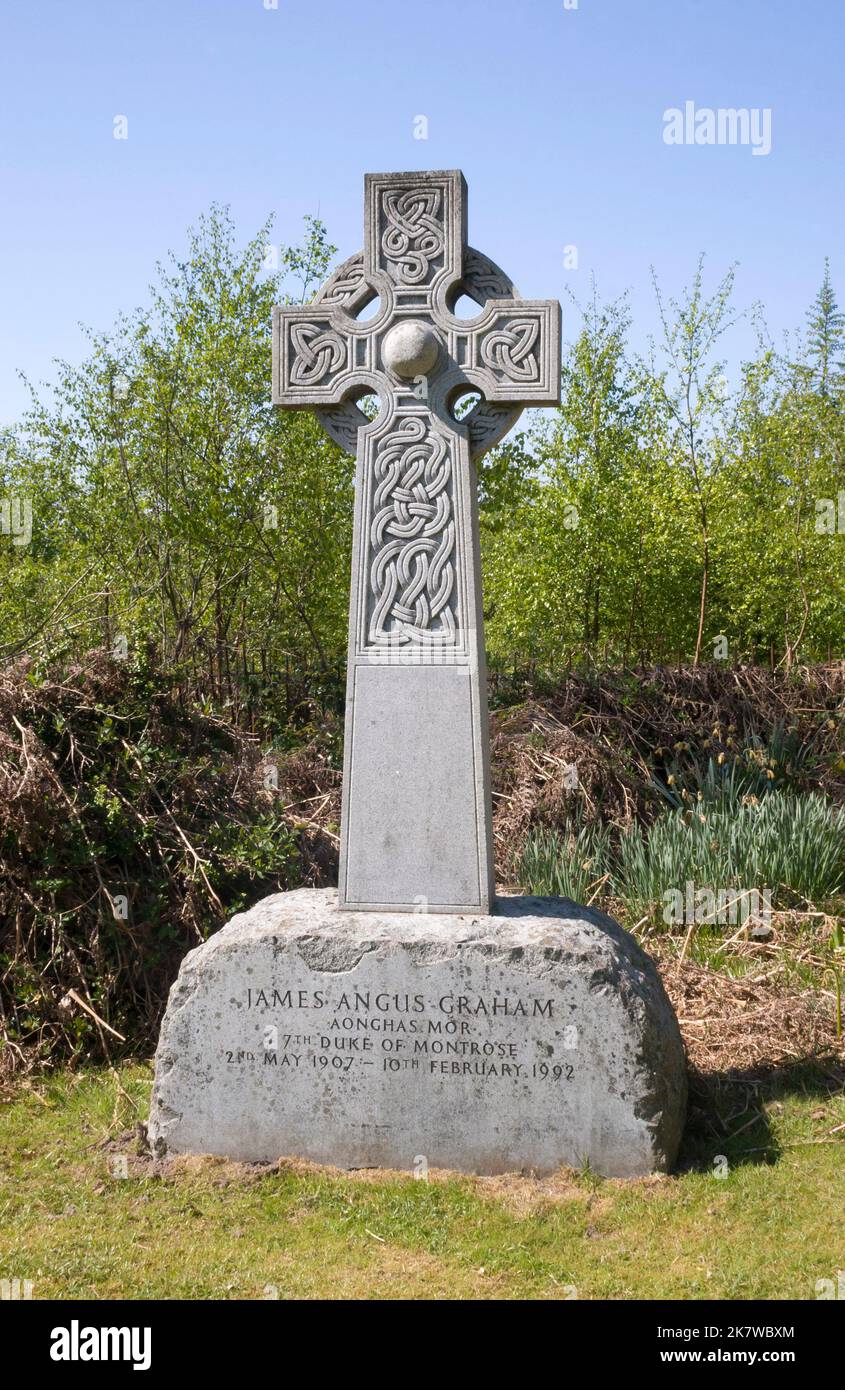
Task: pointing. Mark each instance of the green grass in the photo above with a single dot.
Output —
(770, 1229)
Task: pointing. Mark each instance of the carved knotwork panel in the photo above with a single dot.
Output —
(414, 228)
(347, 286)
(516, 351)
(410, 532)
(483, 279)
(510, 350)
(312, 356)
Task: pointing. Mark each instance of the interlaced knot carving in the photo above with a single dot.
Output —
(511, 350)
(318, 352)
(412, 537)
(347, 281)
(413, 237)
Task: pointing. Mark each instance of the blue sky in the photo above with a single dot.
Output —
(555, 116)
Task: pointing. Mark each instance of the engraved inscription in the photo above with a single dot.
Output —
(348, 1031)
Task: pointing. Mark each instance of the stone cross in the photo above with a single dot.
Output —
(416, 824)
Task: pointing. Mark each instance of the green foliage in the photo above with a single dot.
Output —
(663, 512)
(792, 846)
(130, 829)
(566, 866)
(668, 512)
(175, 511)
(826, 339)
(753, 769)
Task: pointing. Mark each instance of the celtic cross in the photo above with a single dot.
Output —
(416, 822)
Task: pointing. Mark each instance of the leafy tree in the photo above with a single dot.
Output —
(700, 408)
(174, 510)
(826, 339)
(180, 521)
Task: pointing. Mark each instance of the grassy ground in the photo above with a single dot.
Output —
(770, 1228)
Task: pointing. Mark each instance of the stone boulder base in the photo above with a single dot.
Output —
(537, 1037)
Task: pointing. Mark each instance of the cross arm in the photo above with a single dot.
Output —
(512, 351)
(317, 356)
